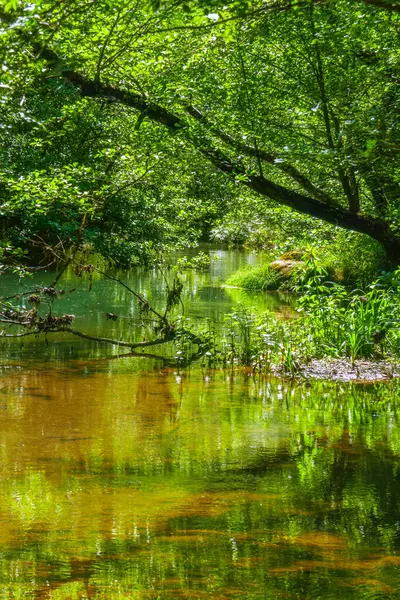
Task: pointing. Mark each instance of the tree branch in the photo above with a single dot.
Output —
(375, 228)
(103, 340)
(349, 186)
(336, 215)
(141, 300)
(267, 8)
(290, 170)
(86, 336)
(104, 47)
(308, 205)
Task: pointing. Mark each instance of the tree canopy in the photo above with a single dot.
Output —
(118, 117)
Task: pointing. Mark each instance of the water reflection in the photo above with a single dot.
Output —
(124, 480)
(118, 484)
(203, 298)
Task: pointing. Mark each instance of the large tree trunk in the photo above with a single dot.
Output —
(375, 228)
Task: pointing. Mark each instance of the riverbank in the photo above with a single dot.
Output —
(344, 370)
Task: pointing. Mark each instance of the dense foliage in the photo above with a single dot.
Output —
(118, 117)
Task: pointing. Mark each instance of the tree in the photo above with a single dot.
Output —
(328, 76)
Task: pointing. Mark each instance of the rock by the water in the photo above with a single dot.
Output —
(286, 267)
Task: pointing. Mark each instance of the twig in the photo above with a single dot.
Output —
(17, 335)
(103, 49)
(17, 296)
(93, 338)
(138, 296)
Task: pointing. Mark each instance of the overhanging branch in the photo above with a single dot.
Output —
(302, 203)
(307, 205)
(286, 168)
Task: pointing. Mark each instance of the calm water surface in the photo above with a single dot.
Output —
(203, 299)
(121, 479)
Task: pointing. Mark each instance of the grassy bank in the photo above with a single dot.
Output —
(351, 260)
(258, 278)
(333, 322)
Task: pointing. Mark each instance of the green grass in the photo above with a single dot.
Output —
(255, 278)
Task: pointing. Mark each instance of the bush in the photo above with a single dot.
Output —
(352, 259)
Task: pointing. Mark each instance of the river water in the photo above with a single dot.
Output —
(123, 479)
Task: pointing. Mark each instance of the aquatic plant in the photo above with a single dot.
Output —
(356, 323)
(333, 322)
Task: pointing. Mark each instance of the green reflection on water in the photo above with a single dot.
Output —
(203, 298)
(122, 480)
(117, 484)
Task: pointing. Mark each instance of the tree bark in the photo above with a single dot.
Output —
(340, 217)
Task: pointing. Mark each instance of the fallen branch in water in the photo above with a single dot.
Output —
(86, 336)
(162, 330)
(103, 340)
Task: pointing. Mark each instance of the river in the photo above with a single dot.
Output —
(124, 479)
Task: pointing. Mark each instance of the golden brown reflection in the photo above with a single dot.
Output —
(117, 484)
(371, 584)
(316, 539)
